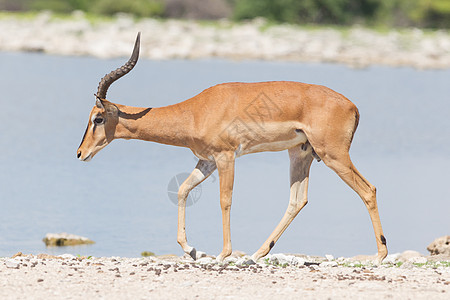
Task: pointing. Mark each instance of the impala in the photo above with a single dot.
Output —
(232, 119)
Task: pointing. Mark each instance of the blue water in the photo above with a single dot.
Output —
(120, 199)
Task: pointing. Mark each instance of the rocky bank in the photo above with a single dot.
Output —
(255, 40)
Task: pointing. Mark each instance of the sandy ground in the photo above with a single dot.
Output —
(171, 277)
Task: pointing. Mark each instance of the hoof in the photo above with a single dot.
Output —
(377, 262)
(249, 262)
(193, 254)
(220, 259)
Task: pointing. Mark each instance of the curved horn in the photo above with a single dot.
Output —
(108, 79)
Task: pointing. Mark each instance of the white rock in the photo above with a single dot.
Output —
(391, 258)
(297, 261)
(200, 254)
(52, 238)
(205, 260)
(243, 260)
(418, 260)
(67, 256)
(230, 259)
(187, 284)
(238, 254)
(407, 265)
(279, 258)
(12, 264)
(408, 254)
(440, 246)
(329, 257)
(329, 264)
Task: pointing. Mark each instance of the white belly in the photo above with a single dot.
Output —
(273, 138)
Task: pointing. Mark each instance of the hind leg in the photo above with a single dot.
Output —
(345, 169)
(201, 172)
(300, 163)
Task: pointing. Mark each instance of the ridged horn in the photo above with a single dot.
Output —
(108, 79)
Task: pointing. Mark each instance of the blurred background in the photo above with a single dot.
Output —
(420, 13)
(391, 58)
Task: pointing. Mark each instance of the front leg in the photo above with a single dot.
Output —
(201, 172)
(225, 167)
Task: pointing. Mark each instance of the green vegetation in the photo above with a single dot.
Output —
(378, 13)
(398, 264)
(138, 8)
(398, 13)
(147, 253)
(275, 263)
(433, 264)
(353, 265)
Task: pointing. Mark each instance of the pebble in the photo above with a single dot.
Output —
(329, 264)
(205, 260)
(418, 260)
(68, 256)
(12, 264)
(298, 261)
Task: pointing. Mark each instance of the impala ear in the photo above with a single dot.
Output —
(110, 109)
(98, 102)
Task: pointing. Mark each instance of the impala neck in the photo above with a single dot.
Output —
(165, 125)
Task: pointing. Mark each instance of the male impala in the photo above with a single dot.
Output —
(232, 119)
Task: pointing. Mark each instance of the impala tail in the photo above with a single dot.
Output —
(105, 115)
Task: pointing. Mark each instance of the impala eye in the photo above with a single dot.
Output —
(99, 120)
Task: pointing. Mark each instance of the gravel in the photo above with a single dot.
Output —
(45, 277)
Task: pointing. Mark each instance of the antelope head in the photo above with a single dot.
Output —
(104, 116)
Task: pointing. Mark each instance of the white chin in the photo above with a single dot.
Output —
(87, 158)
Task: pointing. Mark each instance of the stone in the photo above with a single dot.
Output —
(329, 264)
(65, 239)
(67, 256)
(440, 246)
(12, 264)
(205, 260)
(418, 260)
(47, 256)
(329, 257)
(438, 258)
(230, 259)
(407, 255)
(407, 265)
(297, 261)
(244, 260)
(391, 258)
(279, 258)
(18, 254)
(237, 254)
(200, 254)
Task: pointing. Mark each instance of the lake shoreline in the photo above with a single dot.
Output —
(164, 277)
(78, 35)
